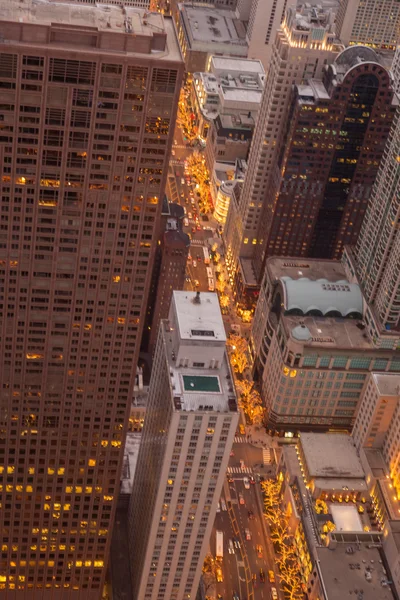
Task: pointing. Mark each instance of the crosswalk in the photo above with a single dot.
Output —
(197, 243)
(176, 163)
(240, 439)
(239, 470)
(267, 456)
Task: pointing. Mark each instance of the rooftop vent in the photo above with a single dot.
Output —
(196, 299)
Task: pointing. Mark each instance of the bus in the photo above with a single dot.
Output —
(206, 256)
(209, 273)
(211, 286)
(219, 545)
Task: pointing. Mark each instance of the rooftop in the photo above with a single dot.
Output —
(322, 297)
(208, 25)
(99, 20)
(329, 333)
(313, 268)
(342, 580)
(331, 455)
(228, 64)
(200, 320)
(200, 389)
(387, 384)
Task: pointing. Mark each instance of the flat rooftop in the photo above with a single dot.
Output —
(331, 455)
(208, 25)
(313, 268)
(342, 580)
(200, 389)
(330, 333)
(199, 320)
(388, 384)
(227, 64)
(103, 18)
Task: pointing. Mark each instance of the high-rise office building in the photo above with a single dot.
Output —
(190, 424)
(374, 23)
(89, 99)
(265, 18)
(169, 271)
(304, 44)
(375, 261)
(322, 181)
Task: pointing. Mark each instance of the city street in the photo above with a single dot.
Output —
(256, 552)
(240, 567)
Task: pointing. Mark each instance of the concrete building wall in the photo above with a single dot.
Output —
(373, 23)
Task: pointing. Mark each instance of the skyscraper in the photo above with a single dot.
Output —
(265, 19)
(190, 424)
(375, 261)
(88, 97)
(304, 44)
(374, 23)
(322, 181)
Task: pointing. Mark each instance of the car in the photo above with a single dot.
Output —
(182, 181)
(250, 514)
(199, 257)
(271, 576)
(242, 430)
(246, 483)
(235, 543)
(190, 216)
(247, 534)
(193, 229)
(176, 173)
(259, 551)
(230, 478)
(231, 453)
(196, 282)
(173, 152)
(194, 263)
(198, 228)
(242, 465)
(274, 594)
(223, 504)
(241, 499)
(219, 597)
(219, 576)
(252, 480)
(218, 507)
(231, 548)
(262, 576)
(175, 142)
(188, 279)
(254, 577)
(235, 596)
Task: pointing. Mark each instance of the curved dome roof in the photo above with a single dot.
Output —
(353, 55)
(301, 333)
(305, 295)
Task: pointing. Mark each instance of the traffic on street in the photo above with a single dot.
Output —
(239, 541)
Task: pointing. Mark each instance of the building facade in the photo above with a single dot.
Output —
(296, 57)
(190, 424)
(313, 354)
(264, 21)
(373, 23)
(322, 180)
(85, 139)
(170, 269)
(204, 31)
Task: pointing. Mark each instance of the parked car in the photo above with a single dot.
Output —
(271, 576)
(250, 514)
(262, 576)
(246, 483)
(247, 534)
(259, 551)
(274, 594)
(218, 573)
